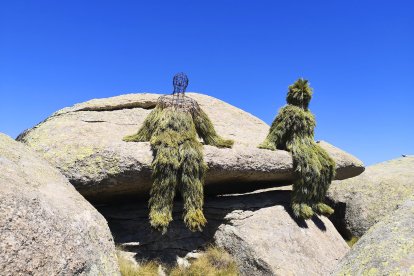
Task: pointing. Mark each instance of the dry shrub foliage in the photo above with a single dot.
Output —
(214, 262)
(129, 268)
(293, 130)
(178, 161)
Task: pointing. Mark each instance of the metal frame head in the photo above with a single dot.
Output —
(180, 83)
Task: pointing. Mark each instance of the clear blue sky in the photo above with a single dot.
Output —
(358, 56)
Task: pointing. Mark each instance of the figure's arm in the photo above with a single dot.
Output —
(145, 132)
(206, 131)
(272, 138)
(277, 133)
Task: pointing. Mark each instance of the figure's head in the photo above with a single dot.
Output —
(180, 83)
(299, 94)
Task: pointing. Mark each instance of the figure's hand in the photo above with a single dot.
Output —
(223, 143)
(131, 138)
(266, 145)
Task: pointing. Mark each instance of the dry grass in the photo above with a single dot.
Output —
(129, 268)
(214, 262)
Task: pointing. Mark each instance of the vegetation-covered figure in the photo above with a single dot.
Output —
(293, 130)
(172, 129)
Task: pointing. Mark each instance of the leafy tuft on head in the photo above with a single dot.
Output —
(299, 94)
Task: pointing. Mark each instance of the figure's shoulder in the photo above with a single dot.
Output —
(290, 111)
(310, 114)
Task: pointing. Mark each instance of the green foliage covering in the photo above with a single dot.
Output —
(178, 162)
(207, 132)
(293, 130)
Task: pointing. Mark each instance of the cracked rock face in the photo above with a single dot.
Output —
(85, 143)
(386, 249)
(364, 200)
(46, 226)
(257, 229)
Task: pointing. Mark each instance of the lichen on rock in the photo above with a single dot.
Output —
(387, 248)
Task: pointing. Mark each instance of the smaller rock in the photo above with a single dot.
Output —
(183, 262)
(193, 255)
(364, 200)
(161, 271)
(386, 249)
(46, 226)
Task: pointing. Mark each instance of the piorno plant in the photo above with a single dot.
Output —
(293, 130)
(173, 129)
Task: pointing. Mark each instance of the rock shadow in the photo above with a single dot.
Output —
(130, 227)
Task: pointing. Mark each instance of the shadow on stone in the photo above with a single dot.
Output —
(319, 223)
(130, 227)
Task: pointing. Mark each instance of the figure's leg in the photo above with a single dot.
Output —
(300, 200)
(165, 169)
(326, 175)
(192, 171)
(307, 166)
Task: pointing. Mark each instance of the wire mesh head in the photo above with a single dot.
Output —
(178, 99)
(180, 83)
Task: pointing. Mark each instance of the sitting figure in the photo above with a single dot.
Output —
(172, 129)
(293, 130)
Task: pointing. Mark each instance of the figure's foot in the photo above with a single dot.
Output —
(302, 210)
(160, 221)
(195, 220)
(323, 209)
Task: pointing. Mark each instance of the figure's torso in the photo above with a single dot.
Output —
(295, 123)
(174, 126)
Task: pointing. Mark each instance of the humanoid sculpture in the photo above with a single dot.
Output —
(293, 130)
(172, 129)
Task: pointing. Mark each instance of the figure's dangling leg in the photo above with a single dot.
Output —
(193, 171)
(325, 178)
(165, 170)
(303, 187)
(300, 200)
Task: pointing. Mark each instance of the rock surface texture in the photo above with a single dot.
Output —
(46, 226)
(85, 143)
(386, 249)
(364, 200)
(257, 229)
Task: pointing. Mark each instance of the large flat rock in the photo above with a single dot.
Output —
(46, 226)
(258, 229)
(85, 143)
(364, 200)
